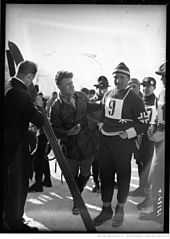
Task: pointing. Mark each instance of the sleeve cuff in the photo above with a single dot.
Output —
(131, 132)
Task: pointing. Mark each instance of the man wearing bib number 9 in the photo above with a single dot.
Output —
(124, 117)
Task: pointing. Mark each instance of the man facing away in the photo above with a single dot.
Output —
(19, 112)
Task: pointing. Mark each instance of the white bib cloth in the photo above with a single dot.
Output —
(161, 104)
(151, 112)
(114, 107)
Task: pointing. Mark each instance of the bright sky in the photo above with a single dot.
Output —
(89, 40)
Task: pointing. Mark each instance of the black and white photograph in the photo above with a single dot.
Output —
(84, 118)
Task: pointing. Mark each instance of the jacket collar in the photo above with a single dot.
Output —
(16, 82)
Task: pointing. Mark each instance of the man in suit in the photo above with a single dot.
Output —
(19, 112)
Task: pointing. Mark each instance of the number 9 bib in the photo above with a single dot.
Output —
(113, 108)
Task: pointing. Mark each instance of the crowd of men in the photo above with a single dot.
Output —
(92, 128)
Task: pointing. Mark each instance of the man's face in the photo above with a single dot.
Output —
(148, 89)
(54, 95)
(121, 80)
(102, 91)
(135, 88)
(28, 79)
(66, 87)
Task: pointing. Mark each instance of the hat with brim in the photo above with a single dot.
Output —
(161, 70)
(149, 81)
(102, 85)
(102, 82)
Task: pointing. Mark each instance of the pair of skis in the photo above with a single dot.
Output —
(14, 57)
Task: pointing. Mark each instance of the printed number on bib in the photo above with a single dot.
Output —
(149, 112)
(113, 108)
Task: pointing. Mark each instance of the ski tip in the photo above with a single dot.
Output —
(10, 43)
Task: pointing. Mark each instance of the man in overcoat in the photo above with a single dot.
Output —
(19, 112)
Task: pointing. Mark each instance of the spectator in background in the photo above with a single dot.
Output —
(85, 91)
(94, 119)
(134, 84)
(37, 99)
(40, 160)
(44, 100)
(50, 101)
(102, 86)
(92, 93)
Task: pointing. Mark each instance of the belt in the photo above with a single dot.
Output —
(110, 133)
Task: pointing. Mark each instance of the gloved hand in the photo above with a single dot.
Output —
(74, 130)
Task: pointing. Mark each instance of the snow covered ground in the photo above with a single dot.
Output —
(51, 211)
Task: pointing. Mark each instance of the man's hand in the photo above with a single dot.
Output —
(74, 131)
(123, 134)
(100, 124)
(158, 136)
(150, 131)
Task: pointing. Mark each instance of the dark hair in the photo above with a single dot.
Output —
(54, 93)
(85, 90)
(26, 67)
(37, 88)
(92, 91)
(62, 75)
(102, 78)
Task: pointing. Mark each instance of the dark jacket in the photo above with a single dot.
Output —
(133, 112)
(19, 112)
(64, 116)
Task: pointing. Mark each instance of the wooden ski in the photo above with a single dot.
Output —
(11, 64)
(68, 175)
(17, 56)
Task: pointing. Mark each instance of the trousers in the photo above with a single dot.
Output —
(115, 157)
(156, 177)
(144, 159)
(41, 164)
(17, 180)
